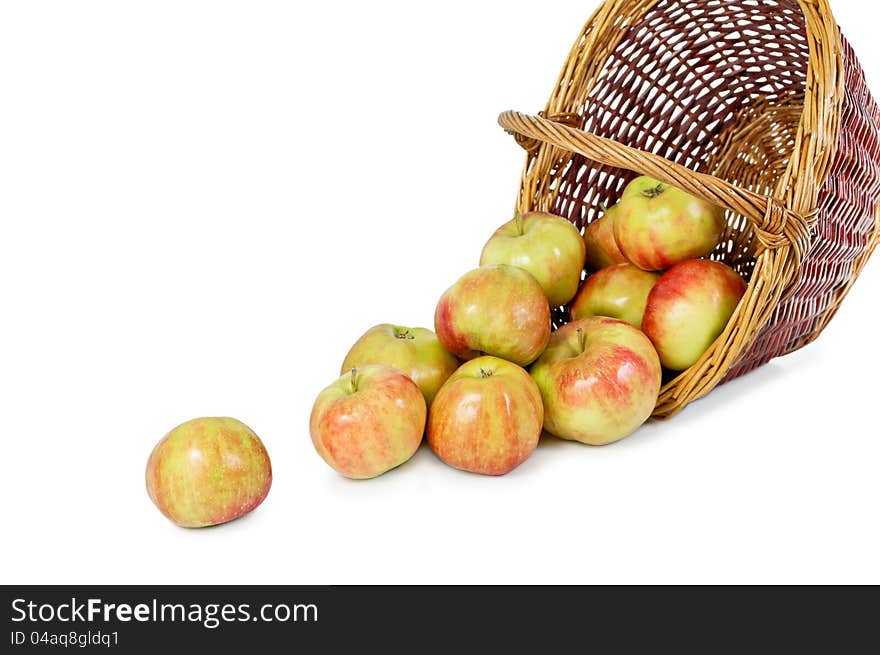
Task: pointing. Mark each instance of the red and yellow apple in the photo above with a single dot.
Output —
(368, 422)
(208, 471)
(619, 292)
(689, 308)
(495, 310)
(547, 246)
(658, 226)
(487, 417)
(415, 352)
(601, 246)
(599, 380)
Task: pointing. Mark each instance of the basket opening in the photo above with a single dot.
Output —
(715, 86)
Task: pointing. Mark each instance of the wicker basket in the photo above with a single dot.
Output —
(759, 106)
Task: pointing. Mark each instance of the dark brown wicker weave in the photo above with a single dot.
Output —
(757, 105)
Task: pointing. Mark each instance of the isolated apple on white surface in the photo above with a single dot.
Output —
(208, 471)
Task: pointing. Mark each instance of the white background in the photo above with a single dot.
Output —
(204, 204)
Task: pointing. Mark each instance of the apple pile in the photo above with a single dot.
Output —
(493, 375)
(648, 252)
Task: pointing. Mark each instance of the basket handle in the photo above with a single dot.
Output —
(775, 225)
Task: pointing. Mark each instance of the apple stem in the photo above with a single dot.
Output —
(485, 374)
(654, 192)
(354, 380)
(582, 339)
(520, 228)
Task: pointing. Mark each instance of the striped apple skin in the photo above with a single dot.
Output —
(365, 428)
(415, 352)
(208, 471)
(496, 310)
(487, 418)
(547, 246)
(619, 292)
(601, 246)
(658, 226)
(689, 308)
(599, 380)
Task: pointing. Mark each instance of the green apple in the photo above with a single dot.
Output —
(487, 418)
(368, 422)
(601, 246)
(658, 226)
(495, 310)
(689, 308)
(599, 380)
(415, 352)
(619, 292)
(547, 246)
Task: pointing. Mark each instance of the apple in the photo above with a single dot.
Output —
(368, 422)
(547, 246)
(619, 292)
(601, 246)
(415, 352)
(599, 380)
(487, 417)
(689, 308)
(208, 471)
(658, 226)
(495, 310)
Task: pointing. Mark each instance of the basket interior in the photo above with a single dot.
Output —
(715, 86)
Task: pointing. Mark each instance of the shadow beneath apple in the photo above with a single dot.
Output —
(418, 474)
(551, 442)
(738, 392)
(423, 456)
(240, 523)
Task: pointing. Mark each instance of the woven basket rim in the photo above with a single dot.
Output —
(782, 220)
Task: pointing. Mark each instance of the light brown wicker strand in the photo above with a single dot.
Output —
(775, 225)
(847, 234)
(771, 215)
